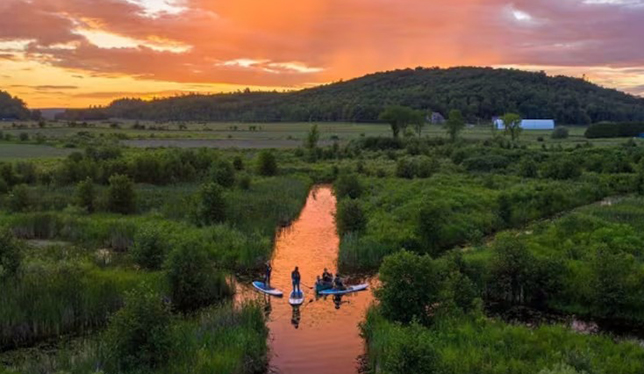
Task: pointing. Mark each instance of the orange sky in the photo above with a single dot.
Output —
(75, 53)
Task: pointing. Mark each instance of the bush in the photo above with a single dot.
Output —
(19, 198)
(405, 168)
(223, 173)
(348, 185)
(211, 206)
(562, 168)
(267, 164)
(350, 217)
(121, 197)
(411, 350)
(614, 130)
(150, 247)
(139, 336)
(560, 133)
(244, 181)
(85, 195)
(194, 283)
(10, 254)
(24, 137)
(528, 168)
(238, 163)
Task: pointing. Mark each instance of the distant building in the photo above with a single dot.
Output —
(436, 118)
(529, 124)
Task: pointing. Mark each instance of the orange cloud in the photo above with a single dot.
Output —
(165, 45)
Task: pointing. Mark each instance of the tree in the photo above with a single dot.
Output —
(211, 206)
(312, 138)
(121, 197)
(10, 254)
(348, 185)
(238, 163)
(150, 247)
(266, 164)
(223, 173)
(139, 336)
(560, 133)
(512, 124)
(19, 198)
(419, 121)
(432, 219)
(194, 283)
(512, 269)
(398, 117)
(85, 194)
(455, 123)
(349, 217)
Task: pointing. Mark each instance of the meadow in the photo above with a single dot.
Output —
(110, 237)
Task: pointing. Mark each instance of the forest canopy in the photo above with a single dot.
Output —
(12, 107)
(479, 93)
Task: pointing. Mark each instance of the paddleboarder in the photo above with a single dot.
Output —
(337, 283)
(327, 276)
(267, 276)
(295, 277)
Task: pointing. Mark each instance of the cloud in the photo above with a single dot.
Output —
(287, 43)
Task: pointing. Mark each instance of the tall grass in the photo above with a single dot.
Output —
(479, 345)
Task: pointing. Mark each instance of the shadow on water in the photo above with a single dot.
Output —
(322, 334)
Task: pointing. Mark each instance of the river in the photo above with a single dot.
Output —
(322, 335)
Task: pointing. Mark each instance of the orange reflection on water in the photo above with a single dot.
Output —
(322, 335)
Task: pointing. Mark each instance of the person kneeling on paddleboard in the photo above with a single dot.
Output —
(295, 277)
(267, 276)
(337, 283)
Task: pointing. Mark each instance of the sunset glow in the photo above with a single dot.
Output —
(75, 53)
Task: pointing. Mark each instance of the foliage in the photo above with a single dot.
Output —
(194, 283)
(10, 254)
(512, 124)
(266, 164)
(614, 130)
(222, 172)
(560, 133)
(211, 205)
(139, 336)
(19, 198)
(455, 123)
(12, 107)
(399, 117)
(121, 197)
(85, 195)
(312, 138)
(349, 217)
(150, 247)
(348, 185)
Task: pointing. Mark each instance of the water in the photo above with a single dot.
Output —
(322, 335)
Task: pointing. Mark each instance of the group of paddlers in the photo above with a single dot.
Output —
(326, 279)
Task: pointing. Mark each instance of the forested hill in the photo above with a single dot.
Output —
(480, 93)
(12, 107)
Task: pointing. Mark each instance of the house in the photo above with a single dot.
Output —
(529, 124)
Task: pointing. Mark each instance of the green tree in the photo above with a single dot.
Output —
(528, 168)
(348, 185)
(411, 350)
(419, 121)
(350, 217)
(410, 287)
(267, 164)
(512, 124)
(19, 198)
(194, 282)
(139, 336)
(432, 219)
(85, 194)
(612, 282)
(223, 173)
(238, 163)
(398, 117)
(121, 197)
(10, 254)
(312, 138)
(512, 269)
(150, 248)
(211, 206)
(455, 124)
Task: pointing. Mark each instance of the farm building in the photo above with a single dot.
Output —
(530, 124)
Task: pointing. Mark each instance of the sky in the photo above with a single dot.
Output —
(77, 53)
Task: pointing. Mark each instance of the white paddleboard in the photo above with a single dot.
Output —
(296, 299)
(261, 287)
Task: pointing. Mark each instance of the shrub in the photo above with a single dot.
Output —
(562, 168)
(614, 130)
(10, 254)
(211, 206)
(194, 283)
(512, 269)
(411, 350)
(528, 168)
(85, 194)
(238, 163)
(121, 197)
(244, 181)
(223, 173)
(24, 137)
(267, 164)
(150, 247)
(139, 336)
(560, 133)
(350, 217)
(348, 185)
(19, 198)
(405, 168)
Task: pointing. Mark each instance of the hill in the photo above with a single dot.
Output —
(480, 93)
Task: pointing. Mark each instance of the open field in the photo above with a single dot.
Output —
(17, 151)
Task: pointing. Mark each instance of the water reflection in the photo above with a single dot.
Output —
(321, 335)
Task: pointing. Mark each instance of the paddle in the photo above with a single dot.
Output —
(305, 285)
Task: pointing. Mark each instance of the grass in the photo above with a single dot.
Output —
(15, 152)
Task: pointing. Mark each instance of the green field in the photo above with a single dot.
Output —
(17, 151)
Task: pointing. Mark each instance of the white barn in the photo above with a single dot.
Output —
(530, 124)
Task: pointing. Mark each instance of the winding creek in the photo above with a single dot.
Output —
(322, 335)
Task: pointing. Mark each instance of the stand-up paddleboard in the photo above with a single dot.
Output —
(261, 287)
(296, 298)
(349, 289)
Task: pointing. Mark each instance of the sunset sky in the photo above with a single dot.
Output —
(75, 53)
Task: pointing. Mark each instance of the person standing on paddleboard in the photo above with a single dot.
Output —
(267, 276)
(295, 277)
